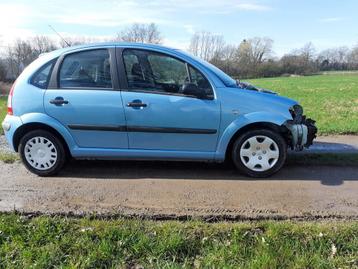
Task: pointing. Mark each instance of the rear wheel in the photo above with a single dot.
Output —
(42, 153)
(259, 153)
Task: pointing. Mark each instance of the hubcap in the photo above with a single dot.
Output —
(40, 153)
(259, 153)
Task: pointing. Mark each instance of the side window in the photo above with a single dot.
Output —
(137, 76)
(42, 77)
(161, 73)
(169, 73)
(86, 69)
(151, 71)
(201, 82)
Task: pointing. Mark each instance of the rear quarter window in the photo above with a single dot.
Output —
(86, 69)
(42, 77)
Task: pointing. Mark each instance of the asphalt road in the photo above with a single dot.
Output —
(175, 189)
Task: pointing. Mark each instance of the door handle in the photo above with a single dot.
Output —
(58, 101)
(136, 104)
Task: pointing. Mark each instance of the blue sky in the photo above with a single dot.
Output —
(290, 24)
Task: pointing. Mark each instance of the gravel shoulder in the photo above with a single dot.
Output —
(180, 190)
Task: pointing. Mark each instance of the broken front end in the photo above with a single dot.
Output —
(302, 130)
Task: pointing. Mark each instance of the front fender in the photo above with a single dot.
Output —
(47, 120)
(242, 121)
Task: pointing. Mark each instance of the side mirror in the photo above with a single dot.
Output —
(192, 89)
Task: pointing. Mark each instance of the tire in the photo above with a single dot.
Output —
(42, 153)
(259, 153)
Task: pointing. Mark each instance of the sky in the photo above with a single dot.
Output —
(290, 23)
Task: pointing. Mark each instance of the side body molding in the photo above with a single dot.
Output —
(242, 121)
(45, 119)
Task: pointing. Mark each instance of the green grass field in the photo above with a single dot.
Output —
(332, 100)
(3, 107)
(60, 242)
(3, 110)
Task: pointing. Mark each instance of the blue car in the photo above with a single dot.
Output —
(147, 102)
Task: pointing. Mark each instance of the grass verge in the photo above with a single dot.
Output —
(3, 110)
(8, 157)
(47, 242)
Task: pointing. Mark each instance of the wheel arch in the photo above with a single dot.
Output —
(245, 122)
(255, 126)
(28, 127)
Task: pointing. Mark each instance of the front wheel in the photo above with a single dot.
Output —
(259, 153)
(42, 153)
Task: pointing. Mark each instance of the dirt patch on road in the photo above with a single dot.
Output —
(180, 190)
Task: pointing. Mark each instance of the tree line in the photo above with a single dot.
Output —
(254, 57)
(251, 58)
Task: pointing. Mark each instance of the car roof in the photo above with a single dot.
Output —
(113, 44)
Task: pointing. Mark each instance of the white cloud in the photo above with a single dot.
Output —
(331, 19)
(13, 18)
(252, 7)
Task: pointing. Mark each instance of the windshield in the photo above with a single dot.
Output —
(225, 78)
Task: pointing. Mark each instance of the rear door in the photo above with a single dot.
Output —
(82, 95)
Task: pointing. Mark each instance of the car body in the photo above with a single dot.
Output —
(143, 101)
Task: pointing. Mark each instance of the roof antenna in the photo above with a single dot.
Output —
(59, 35)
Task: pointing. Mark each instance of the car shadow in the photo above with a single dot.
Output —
(327, 175)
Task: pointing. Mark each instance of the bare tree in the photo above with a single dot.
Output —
(141, 33)
(42, 44)
(19, 55)
(207, 46)
(334, 59)
(2, 70)
(78, 40)
(307, 52)
(252, 53)
(302, 61)
(261, 49)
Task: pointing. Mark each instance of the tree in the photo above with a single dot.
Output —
(252, 53)
(353, 58)
(260, 49)
(334, 59)
(19, 56)
(228, 60)
(207, 46)
(78, 40)
(141, 33)
(2, 70)
(42, 44)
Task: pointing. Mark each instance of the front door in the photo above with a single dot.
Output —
(85, 102)
(169, 105)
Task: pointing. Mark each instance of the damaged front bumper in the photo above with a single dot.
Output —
(302, 132)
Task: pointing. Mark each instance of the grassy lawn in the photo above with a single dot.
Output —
(51, 242)
(3, 111)
(3, 108)
(332, 100)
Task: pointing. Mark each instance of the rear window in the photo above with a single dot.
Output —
(86, 69)
(42, 77)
